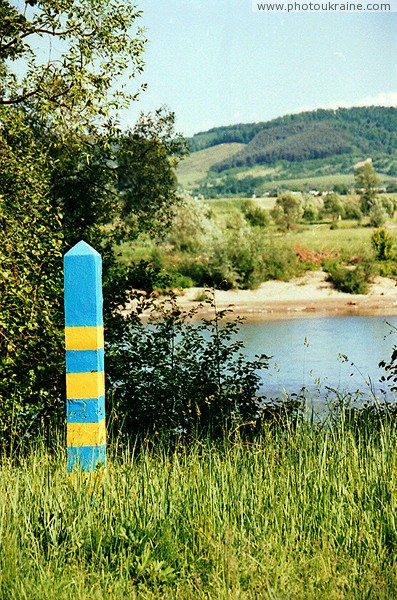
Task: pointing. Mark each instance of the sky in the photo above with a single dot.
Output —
(216, 62)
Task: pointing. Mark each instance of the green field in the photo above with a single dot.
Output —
(305, 514)
(196, 165)
(322, 182)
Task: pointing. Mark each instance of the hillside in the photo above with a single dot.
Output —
(197, 164)
(304, 146)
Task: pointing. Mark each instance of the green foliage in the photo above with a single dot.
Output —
(31, 316)
(341, 189)
(333, 206)
(287, 210)
(67, 173)
(389, 204)
(350, 280)
(255, 215)
(310, 211)
(192, 229)
(280, 262)
(99, 41)
(234, 261)
(377, 213)
(145, 161)
(382, 242)
(390, 367)
(352, 209)
(175, 376)
(309, 135)
(366, 186)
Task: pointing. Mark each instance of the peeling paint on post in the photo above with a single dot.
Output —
(85, 377)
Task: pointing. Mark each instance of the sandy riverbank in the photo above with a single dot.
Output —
(303, 296)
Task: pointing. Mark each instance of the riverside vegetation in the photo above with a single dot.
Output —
(240, 243)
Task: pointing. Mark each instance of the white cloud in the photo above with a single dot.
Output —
(381, 99)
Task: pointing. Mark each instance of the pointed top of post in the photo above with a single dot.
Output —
(83, 286)
(82, 249)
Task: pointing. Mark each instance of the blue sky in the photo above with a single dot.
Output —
(215, 62)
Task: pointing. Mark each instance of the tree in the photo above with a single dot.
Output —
(377, 214)
(59, 181)
(287, 210)
(333, 206)
(366, 182)
(76, 86)
(352, 208)
(145, 160)
(31, 319)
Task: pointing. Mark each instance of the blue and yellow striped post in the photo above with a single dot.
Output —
(85, 377)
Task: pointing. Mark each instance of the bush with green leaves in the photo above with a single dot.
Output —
(287, 210)
(192, 229)
(377, 214)
(229, 258)
(352, 280)
(382, 242)
(31, 314)
(280, 262)
(310, 211)
(173, 374)
(389, 204)
(352, 209)
(255, 215)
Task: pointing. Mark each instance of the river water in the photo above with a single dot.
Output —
(341, 352)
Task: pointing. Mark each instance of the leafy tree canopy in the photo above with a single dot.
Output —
(67, 172)
(333, 205)
(366, 182)
(85, 47)
(287, 210)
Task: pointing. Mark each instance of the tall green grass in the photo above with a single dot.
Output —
(304, 514)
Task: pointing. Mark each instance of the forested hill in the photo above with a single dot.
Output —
(306, 136)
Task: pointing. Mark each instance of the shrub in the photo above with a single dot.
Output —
(175, 375)
(377, 214)
(192, 228)
(233, 259)
(210, 272)
(310, 212)
(255, 215)
(351, 281)
(280, 262)
(388, 204)
(353, 210)
(382, 242)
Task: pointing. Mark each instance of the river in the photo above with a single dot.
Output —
(341, 352)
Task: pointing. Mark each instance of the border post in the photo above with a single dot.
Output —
(85, 377)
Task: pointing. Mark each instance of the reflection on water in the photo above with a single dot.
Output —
(340, 352)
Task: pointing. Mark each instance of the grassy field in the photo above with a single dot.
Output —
(196, 166)
(349, 238)
(309, 514)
